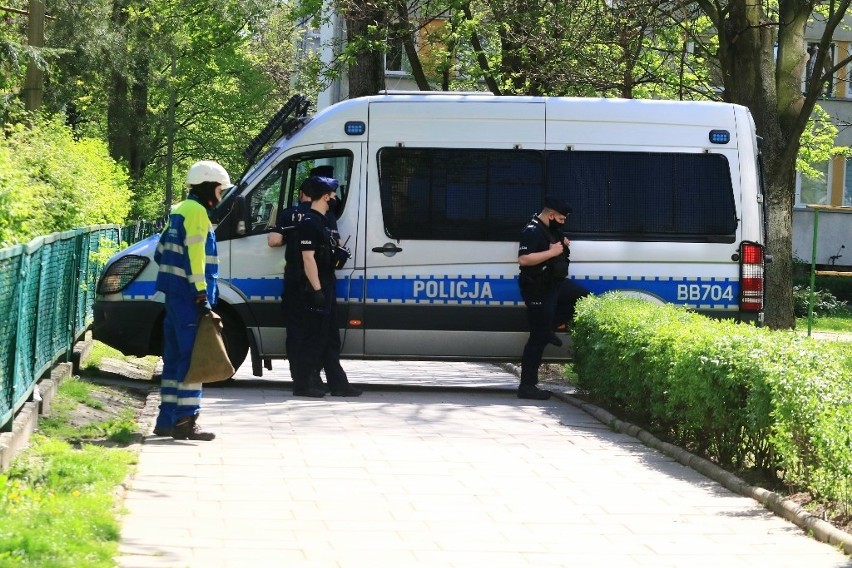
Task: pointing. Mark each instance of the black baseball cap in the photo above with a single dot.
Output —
(557, 204)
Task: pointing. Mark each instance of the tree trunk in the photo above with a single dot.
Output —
(118, 136)
(780, 178)
(411, 50)
(750, 77)
(367, 72)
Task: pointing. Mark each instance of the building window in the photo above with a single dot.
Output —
(395, 60)
(813, 53)
(847, 186)
(814, 190)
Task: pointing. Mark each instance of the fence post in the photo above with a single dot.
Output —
(74, 294)
(23, 274)
(813, 273)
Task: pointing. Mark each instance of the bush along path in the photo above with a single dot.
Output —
(769, 405)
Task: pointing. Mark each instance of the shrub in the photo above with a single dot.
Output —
(51, 182)
(825, 303)
(739, 395)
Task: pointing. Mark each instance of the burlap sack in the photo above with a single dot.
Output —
(209, 362)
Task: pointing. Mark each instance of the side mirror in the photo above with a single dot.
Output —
(231, 222)
(238, 213)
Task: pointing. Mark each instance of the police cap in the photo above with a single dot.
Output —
(322, 171)
(557, 204)
(316, 186)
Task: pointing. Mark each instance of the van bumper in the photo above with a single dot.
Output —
(134, 328)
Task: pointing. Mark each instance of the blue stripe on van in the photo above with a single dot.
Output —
(704, 293)
(258, 288)
(140, 290)
(444, 290)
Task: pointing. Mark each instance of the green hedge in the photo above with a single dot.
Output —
(51, 181)
(742, 396)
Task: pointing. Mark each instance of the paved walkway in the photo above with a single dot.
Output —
(433, 478)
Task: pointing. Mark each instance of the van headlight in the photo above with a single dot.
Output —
(121, 273)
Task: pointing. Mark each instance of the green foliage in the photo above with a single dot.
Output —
(824, 302)
(817, 144)
(109, 74)
(58, 506)
(51, 182)
(739, 395)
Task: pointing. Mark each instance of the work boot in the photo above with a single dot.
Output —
(532, 392)
(310, 392)
(316, 383)
(162, 431)
(346, 390)
(187, 429)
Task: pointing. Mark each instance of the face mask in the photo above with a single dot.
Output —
(556, 225)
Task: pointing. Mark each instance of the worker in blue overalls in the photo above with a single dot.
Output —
(189, 267)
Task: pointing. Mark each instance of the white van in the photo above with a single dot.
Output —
(434, 190)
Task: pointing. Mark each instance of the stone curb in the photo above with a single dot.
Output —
(821, 530)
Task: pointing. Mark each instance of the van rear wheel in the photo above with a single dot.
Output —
(234, 336)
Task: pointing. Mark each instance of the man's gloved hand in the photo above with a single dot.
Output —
(202, 303)
(317, 298)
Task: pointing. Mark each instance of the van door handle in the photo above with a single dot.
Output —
(388, 249)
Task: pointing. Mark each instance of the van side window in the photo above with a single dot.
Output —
(299, 167)
(638, 196)
(451, 194)
(280, 188)
(264, 201)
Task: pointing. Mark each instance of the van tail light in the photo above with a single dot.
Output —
(752, 270)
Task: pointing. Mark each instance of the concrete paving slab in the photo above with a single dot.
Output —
(433, 478)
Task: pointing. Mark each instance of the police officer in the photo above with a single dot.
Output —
(543, 256)
(310, 290)
(284, 233)
(189, 267)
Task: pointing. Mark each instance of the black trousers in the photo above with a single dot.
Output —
(546, 312)
(313, 338)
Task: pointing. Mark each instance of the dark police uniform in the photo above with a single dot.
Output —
(548, 294)
(293, 298)
(292, 294)
(313, 338)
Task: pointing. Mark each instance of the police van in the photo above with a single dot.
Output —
(434, 190)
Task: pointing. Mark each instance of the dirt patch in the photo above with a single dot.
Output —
(108, 401)
(552, 373)
(841, 520)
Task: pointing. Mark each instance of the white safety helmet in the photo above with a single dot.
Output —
(208, 170)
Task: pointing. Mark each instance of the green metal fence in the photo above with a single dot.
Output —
(47, 289)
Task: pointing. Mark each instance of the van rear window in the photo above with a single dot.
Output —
(452, 194)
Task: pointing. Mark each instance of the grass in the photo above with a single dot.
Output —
(101, 351)
(841, 322)
(58, 502)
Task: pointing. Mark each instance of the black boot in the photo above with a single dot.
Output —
(532, 392)
(187, 429)
(346, 390)
(317, 384)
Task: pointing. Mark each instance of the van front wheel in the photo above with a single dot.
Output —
(234, 336)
